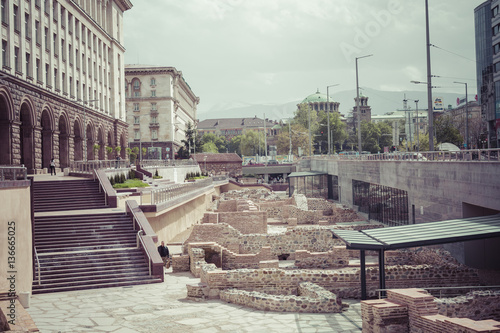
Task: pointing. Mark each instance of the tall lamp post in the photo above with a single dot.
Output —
(85, 127)
(418, 127)
(357, 102)
(429, 79)
(328, 113)
(466, 116)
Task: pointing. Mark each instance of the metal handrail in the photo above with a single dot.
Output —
(139, 239)
(167, 163)
(89, 166)
(38, 266)
(380, 291)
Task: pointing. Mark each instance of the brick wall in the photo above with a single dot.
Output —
(342, 282)
(477, 305)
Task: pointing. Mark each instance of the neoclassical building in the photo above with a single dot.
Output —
(160, 105)
(321, 102)
(61, 81)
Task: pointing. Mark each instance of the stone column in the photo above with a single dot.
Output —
(16, 142)
(37, 142)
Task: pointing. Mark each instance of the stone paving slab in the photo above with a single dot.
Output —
(163, 307)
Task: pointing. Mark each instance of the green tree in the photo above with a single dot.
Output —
(218, 140)
(209, 147)
(299, 137)
(192, 141)
(252, 143)
(233, 145)
(337, 131)
(446, 131)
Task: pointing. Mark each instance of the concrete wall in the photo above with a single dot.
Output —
(15, 207)
(438, 190)
(174, 220)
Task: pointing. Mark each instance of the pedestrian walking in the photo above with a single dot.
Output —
(52, 167)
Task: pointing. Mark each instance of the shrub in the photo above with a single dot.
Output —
(122, 178)
(111, 180)
(117, 179)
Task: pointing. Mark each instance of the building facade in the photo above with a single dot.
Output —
(160, 105)
(487, 31)
(61, 82)
(470, 117)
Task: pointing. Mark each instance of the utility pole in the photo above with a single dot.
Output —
(429, 80)
(357, 103)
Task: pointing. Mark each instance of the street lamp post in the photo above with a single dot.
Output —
(418, 128)
(309, 122)
(357, 103)
(429, 79)
(466, 116)
(328, 114)
(85, 127)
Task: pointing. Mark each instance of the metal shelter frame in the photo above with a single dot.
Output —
(423, 234)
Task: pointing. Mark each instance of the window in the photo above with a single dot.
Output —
(137, 85)
(70, 55)
(154, 120)
(494, 11)
(83, 34)
(37, 3)
(16, 59)
(496, 48)
(137, 134)
(137, 94)
(78, 89)
(47, 75)
(16, 18)
(38, 69)
(83, 63)
(497, 67)
(153, 107)
(55, 44)
(37, 32)
(64, 83)
(136, 106)
(77, 28)
(5, 54)
(70, 23)
(63, 53)
(54, 11)
(27, 30)
(153, 93)
(46, 38)
(496, 29)
(28, 64)
(46, 6)
(77, 58)
(63, 20)
(153, 81)
(5, 13)
(71, 86)
(154, 134)
(84, 92)
(56, 84)
(137, 120)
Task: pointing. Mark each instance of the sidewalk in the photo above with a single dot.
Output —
(163, 307)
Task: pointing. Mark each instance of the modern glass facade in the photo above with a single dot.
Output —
(483, 32)
(382, 203)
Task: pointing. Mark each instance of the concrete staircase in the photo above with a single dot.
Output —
(50, 196)
(88, 251)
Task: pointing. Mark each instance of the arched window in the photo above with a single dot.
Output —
(153, 81)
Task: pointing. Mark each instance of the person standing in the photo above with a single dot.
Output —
(164, 254)
(52, 167)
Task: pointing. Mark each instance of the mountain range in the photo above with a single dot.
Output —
(381, 102)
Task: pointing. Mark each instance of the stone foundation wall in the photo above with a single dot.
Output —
(414, 310)
(274, 209)
(477, 305)
(310, 238)
(311, 298)
(227, 206)
(180, 263)
(336, 258)
(344, 283)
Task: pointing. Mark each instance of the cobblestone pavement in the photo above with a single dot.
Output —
(163, 307)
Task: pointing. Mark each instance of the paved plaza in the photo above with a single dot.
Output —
(163, 307)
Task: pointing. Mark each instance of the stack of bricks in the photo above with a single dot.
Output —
(423, 314)
(382, 315)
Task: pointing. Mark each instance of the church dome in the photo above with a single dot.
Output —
(317, 97)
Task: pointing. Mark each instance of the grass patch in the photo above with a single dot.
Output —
(131, 183)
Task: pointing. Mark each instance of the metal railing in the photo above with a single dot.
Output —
(442, 290)
(472, 155)
(174, 191)
(38, 267)
(89, 166)
(167, 163)
(139, 240)
(13, 173)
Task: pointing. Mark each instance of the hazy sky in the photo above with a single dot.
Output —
(278, 51)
